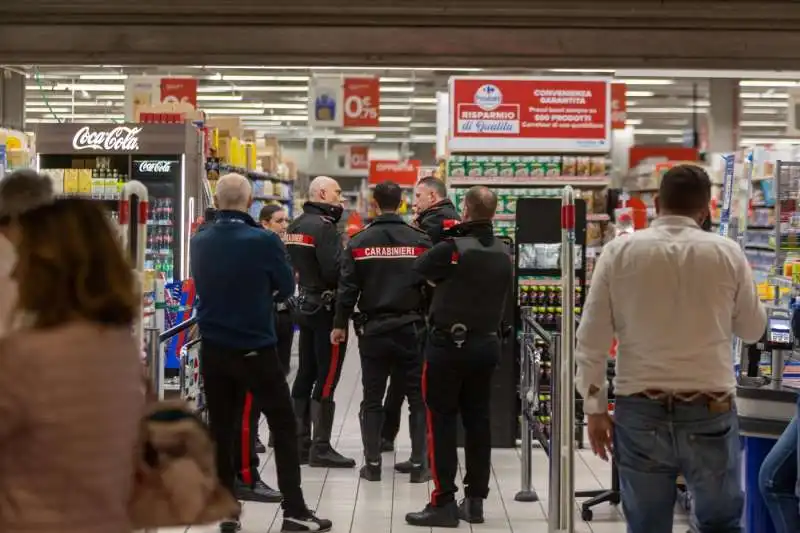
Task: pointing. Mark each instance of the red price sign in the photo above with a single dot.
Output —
(362, 101)
(359, 157)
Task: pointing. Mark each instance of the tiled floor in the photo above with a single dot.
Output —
(357, 506)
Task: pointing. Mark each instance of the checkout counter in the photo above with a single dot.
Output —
(765, 406)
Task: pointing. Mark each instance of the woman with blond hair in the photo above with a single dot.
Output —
(71, 395)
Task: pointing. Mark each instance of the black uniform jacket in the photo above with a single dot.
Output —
(377, 271)
(315, 248)
(438, 218)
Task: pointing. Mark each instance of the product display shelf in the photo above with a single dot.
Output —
(267, 188)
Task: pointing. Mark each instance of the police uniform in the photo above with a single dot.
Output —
(377, 275)
(472, 273)
(315, 248)
(433, 221)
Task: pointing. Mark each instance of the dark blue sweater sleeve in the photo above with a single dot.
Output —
(280, 270)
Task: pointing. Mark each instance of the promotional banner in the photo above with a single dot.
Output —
(179, 91)
(349, 102)
(358, 157)
(515, 114)
(404, 173)
(619, 106)
(141, 91)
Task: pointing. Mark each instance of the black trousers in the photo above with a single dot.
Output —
(458, 380)
(284, 328)
(244, 452)
(397, 353)
(393, 407)
(226, 372)
(320, 361)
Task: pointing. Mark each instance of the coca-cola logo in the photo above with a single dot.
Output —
(119, 139)
(154, 167)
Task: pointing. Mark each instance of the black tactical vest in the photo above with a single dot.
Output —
(475, 295)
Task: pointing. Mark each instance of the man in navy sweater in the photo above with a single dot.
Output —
(237, 268)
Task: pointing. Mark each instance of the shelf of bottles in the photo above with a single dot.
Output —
(159, 254)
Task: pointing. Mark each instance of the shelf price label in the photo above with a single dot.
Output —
(361, 102)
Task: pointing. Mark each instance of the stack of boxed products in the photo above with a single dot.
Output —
(522, 167)
(90, 178)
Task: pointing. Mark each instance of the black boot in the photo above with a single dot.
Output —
(430, 516)
(302, 415)
(259, 492)
(418, 463)
(387, 445)
(471, 510)
(230, 526)
(371, 423)
(322, 453)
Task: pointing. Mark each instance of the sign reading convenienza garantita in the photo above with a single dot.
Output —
(511, 114)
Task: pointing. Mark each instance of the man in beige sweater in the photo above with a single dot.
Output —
(20, 191)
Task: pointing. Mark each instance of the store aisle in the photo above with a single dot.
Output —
(361, 507)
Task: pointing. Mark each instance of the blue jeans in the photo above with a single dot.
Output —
(654, 443)
(778, 481)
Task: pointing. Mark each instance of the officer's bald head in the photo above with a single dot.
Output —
(325, 190)
(480, 203)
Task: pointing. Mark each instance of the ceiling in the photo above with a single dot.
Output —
(273, 100)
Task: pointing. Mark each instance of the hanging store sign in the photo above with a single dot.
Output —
(344, 102)
(358, 157)
(179, 91)
(404, 173)
(515, 114)
(100, 139)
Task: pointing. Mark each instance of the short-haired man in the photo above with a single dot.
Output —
(377, 275)
(674, 296)
(461, 352)
(238, 268)
(315, 246)
(434, 213)
(20, 192)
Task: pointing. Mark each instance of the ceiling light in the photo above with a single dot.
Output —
(382, 129)
(646, 81)
(395, 107)
(768, 83)
(762, 124)
(234, 111)
(100, 77)
(422, 125)
(639, 94)
(47, 109)
(108, 97)
(769, 140)
(252, 88)
(282, 118)
(219, 97)
(762, 111)
(637, 131)
(633, 122)
(354, 137)
(398, 89)
(765, 95)
(581, 70)
(423, 100)
(395, 119)
(120, 88)
(423, 138)
(664, 110)
(42, 120)
(675, 140)
(93, 116)
(263, 78)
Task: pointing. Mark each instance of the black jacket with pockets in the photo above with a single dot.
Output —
(437, 218)
(315, 248)
(377, 272)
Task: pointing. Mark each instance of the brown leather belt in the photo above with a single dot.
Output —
(717, 402)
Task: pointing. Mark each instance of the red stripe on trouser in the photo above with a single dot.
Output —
(247, 475)
(429, 425)
(333, 368)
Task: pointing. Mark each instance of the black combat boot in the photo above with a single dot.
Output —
(371, 423)
(471, 510)
(302, 415)
(418, 463)
(322, 453)
(432, 516)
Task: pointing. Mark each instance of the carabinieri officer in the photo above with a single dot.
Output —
(377, 275)
(472, 275)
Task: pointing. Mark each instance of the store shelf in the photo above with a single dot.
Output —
(512, 181)
(252, 174)
(272, 198)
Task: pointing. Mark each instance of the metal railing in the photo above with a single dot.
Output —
(154, 342)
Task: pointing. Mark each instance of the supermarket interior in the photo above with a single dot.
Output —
(607, 117)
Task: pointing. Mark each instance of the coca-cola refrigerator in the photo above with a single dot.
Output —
(95, 160)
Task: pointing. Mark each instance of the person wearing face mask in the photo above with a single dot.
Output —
(20, 192)
(315, 248)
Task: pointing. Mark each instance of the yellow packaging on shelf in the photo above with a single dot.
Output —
(215, 139)
(252, 157)
(224, 149)
(70, 181)
(85, 181)
(235, 151)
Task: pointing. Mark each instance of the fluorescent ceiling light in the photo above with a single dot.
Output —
(768, 83)
(388, 79)
(762, 124)
(394, 119)
(675, 140)
(219, 97)
(398, 89)
(382, 129)
(100, 77)
(89, 87)
(230, 111)
(422, 125)
(354, 137)
(395, 107)
(252, 88)
(646, 81)
(765, 96)
(761, 111)
(392, 140)
(282, 118)
(226, 77)
(769, 140)
(606, 71)
(108, 97)
(423, 138)
(306, 67)
(665, 110)
(633, 122)
(408, 101)
(639, 94)
(637, 131)
(773, 105)
(699, 103)
(93, 116)
(47, 109)
(42, 120)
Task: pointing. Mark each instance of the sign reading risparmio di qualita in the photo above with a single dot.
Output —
(515, 114)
